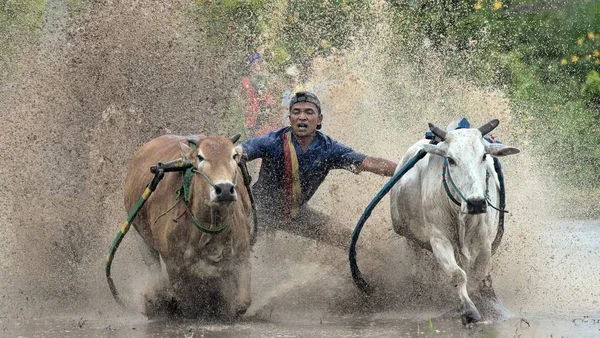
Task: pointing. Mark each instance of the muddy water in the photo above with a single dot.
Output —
(356, 326)
(314, 297)
(80, 104)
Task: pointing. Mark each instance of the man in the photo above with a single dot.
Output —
(295, 161)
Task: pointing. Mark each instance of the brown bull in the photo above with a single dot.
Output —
(207, 273)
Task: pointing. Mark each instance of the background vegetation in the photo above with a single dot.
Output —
(545, 55)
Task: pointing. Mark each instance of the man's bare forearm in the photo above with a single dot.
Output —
(379, 166)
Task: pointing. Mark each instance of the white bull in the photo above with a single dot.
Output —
(460, 236)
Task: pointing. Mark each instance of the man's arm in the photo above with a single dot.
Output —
(378, 165)
(256, 147)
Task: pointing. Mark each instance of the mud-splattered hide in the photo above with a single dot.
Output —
(208, 274)
(423, 212)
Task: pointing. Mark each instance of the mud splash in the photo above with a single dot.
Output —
(82, 103)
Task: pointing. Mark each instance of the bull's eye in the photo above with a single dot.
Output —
(200, 158)
(236, 156)
(451, 161)
(484, 157)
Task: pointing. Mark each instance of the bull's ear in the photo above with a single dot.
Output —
(499, 150)
(235, 138)
(240, 152)
(440, 149)
(186, 151)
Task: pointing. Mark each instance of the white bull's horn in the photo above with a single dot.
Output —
(437, 131)
(486, 128)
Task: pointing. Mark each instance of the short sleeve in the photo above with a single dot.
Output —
(344, 157)
(259, 147)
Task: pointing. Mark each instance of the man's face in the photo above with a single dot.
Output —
(304, 118)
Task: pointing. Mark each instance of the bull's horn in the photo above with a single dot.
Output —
(235, 138)
(437, 131)
(486, 128)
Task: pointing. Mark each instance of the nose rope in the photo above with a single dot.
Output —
(445, 181)
(446, 170)
(196, 171)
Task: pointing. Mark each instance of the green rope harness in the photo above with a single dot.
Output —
(207, 230)
(185, 191)
(194, 220)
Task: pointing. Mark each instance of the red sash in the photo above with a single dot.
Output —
(291, 177)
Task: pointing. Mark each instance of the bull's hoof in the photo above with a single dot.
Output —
(159, 305)
(241, 309)
(470, 316)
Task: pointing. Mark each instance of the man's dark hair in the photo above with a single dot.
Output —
(306, 97)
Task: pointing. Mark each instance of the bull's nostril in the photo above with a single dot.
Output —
(231, 191)
(218, 190)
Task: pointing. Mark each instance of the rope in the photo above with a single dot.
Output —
(207, 230)
(124, 229)
(356, 274)
(166, 212)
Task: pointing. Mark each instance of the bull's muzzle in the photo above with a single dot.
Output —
(225, 192)
(476, 206)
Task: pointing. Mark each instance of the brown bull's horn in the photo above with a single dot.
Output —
(437, 131)
(235, 138)
(486, 128)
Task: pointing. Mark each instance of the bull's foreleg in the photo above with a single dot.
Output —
(444, 254)
(235, 290)
(243, 298)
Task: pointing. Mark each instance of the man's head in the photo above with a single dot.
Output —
(255, 61)
(305, 113)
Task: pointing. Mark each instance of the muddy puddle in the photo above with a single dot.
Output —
(303, 325)
(308, 293)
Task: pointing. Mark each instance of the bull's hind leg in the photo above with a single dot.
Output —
(150, 257)
(444, 254)
(157, 300)
(484, 296)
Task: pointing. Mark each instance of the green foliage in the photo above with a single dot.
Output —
(286, 32)
(20, 22)
(431, 327)
(591, 87)
(233, 22)
(545, 55)
(315, 26)
(77, 6)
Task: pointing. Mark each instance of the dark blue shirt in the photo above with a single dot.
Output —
(322, 155)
